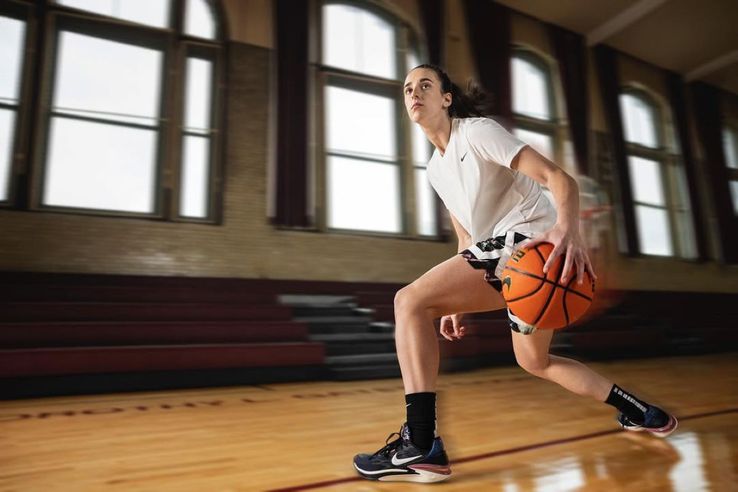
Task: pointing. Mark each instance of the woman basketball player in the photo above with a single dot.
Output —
(491, 184)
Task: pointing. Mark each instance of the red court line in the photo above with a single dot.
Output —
(484, 456)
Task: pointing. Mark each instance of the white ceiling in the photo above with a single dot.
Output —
(696, 38)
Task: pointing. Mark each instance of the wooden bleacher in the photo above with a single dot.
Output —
(77, 333)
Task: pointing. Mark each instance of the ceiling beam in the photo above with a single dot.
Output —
(622, 20)
(713, 65)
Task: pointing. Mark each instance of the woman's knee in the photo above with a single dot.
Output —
(535, 364)
(409, 300)
(405, 299)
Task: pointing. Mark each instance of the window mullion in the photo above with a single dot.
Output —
(404, 150)
(174, 140)
(670, 203)
(217, 138)
(321, 162)
(170, 139)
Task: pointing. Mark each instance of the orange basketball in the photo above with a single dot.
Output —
(541, 300)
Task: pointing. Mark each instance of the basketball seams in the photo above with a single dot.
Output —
(540, 255)
(563, 301)
(534, 291)
(550, 296)
(545, 280)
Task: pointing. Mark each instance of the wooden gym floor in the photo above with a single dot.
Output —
(504, 431)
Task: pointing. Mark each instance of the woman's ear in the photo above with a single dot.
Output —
(447, 100)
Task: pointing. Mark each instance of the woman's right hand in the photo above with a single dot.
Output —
(451, 327)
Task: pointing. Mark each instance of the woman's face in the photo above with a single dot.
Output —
(423, 98)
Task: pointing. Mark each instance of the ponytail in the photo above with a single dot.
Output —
(464, 104)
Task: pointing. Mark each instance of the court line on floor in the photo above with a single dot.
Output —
(502, 452)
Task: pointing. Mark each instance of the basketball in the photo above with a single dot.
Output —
(541, 300)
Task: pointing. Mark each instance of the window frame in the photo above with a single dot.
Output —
(217, 116)
(670, 166)
(111, 31)
(325, 76)
(20, 133)
(551, 127)
(51, 18)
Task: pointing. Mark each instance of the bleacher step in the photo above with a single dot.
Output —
(363, 359)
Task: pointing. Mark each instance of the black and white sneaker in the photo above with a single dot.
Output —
(657, 422)
(401, 460)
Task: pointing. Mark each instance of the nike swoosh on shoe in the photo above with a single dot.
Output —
(401, 461)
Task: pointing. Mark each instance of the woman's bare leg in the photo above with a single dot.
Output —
(448, 288)
(531, 352)
(455, 287)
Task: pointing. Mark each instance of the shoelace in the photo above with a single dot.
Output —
(390, 446)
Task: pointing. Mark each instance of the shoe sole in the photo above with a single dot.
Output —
(423, 474)
(662, 432)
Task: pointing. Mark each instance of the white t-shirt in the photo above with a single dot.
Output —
(474, 180)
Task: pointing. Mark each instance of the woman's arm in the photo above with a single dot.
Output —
(565, 234)
(461, 233)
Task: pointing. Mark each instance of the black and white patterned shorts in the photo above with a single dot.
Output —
(491, 255)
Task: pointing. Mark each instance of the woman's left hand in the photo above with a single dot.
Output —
(569, 242)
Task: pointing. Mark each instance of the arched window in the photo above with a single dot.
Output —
(730, 147)
(364, 57)
(533, 102)
(657, 181)
(127, 108)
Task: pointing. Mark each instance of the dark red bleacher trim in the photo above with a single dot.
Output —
(100, 333)
(88, 360)
(129, 311)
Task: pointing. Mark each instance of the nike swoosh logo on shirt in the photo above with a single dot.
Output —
(401, 461)
(462, 157)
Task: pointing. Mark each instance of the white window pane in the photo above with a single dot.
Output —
(199, 88)
(363, 195)
(653, 231)
(99, 75)
(730, 147)
(341, 37)
(100, 166)
(639, 121)
(413, 60)
(195, 180)
(7, 131)
(424, 196)
(541, 142)
(421, 146)
(379, 46)
(12, 34)
(150, 12)
(645, 180)
(357, 40)
(530, 94)
(200, 21)
(734, 194)
(360, 123)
